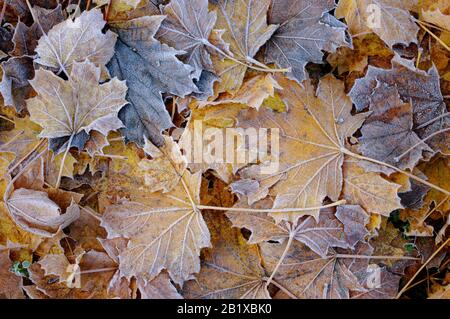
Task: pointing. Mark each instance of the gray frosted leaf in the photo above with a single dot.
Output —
(305, 30)
(420, 88)
(150, 69)
(354, 219)
(387, 134)
(205, 85)
(187, 27)
(322, 235)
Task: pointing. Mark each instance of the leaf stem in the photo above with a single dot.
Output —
(271, 210)
(346, 256)
(398, 158)
(251, 66)
(437, 118)
(280, 261)
(91, 271)
(58, 181)
(414, 177)
(6, 119)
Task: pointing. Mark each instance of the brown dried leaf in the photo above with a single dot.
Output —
(75, 41)
(65, 108)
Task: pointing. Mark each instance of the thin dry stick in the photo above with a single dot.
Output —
(431, 25)
(421, 268)
(91, 271)
(422, 25)
(434, 209)
(437, 118)
(11, 140)
(347, 256)
(419, 57)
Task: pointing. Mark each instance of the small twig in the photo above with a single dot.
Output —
(437, 118)
(347, 256)
(422, 25)
(434, 209)
(108, 8)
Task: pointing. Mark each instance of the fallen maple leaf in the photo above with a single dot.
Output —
(159, 288)
(305, 30)
(75, 41)
(311, 155)
(150, 69)
(368, 189)
(422, 89)
(387, 134)
(65, 108)
(187, 27)
(246, 30)
(389, 19)
(329, 231)
(164, 232)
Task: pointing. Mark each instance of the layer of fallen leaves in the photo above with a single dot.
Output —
(99, 106)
